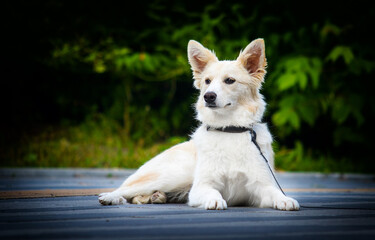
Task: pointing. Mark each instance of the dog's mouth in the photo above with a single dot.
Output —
(213, 105)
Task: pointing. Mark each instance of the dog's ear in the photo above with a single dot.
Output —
(199, 58)
(253, 59)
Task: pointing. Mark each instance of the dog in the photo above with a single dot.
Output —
(217, 168)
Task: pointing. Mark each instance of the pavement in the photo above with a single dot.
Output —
(62, 203)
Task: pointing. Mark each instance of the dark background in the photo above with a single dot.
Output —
(97, 81)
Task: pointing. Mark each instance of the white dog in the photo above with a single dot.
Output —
(220, 166)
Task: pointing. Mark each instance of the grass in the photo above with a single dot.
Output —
(93, 144)
(301, 159)
(100, 143)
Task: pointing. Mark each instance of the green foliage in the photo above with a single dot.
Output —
(341, 51)
(96, 142)
(300, 159)
(298, 71)
(128, 68)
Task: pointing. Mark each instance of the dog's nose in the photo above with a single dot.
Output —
(210, 97)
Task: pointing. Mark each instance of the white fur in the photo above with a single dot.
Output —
(216, 169)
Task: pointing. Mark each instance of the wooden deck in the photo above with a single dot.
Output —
(346, 213)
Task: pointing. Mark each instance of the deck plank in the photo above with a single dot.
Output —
(325, 214)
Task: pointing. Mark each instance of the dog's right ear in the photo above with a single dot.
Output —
(199, 58)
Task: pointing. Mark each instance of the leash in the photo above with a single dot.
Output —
(234, 129)
(253, 139)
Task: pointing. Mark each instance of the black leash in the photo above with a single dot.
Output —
(254, 140)
(234, 129)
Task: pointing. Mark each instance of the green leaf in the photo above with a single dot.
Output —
(308, 112)
(341, 51)
(340, 110)
(280, 117)
(302, 80)
(285, 116)
(294, 119)
(99, 66)
(290, 101)
(286, 81)
(315, 70)
(329, 28)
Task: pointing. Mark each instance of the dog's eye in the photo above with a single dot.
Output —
(207, 81)
(229, 80)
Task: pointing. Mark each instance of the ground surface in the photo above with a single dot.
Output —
(334, 206)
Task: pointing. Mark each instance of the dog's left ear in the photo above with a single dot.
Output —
(253, 59)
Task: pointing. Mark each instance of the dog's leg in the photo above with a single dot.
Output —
(117, 197)
(204, 196)
(112, 198)
(138, 188)
(168, 172)
(141, 199)
(155, 198)
(272, 197)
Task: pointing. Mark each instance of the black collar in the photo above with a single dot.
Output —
(230, 129)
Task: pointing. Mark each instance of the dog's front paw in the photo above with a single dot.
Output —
(286, 204)
(111, 198)
(216, 204)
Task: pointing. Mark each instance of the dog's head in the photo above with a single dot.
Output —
(229, 90)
